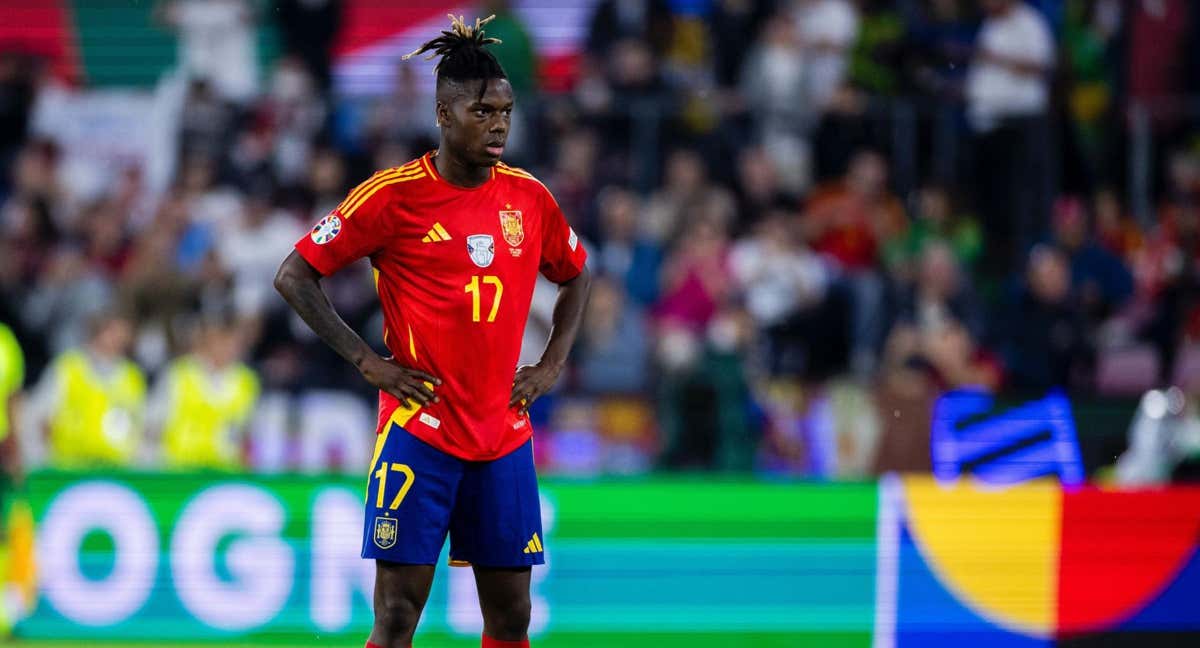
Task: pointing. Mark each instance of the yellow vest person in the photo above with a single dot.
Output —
(99, 415)
(12, 374)
(206, 410)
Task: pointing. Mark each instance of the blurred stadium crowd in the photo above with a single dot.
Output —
(809, 219)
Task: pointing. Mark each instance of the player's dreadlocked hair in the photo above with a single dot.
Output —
(463, 55)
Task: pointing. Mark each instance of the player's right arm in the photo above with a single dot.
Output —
(300, 284)
(358, 228)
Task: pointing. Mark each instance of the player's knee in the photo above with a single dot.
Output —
(509, 621)
(397, 620)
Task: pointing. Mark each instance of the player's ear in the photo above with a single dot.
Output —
(442, 114)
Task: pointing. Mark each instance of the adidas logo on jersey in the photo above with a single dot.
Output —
(534, 545)
(436, 234)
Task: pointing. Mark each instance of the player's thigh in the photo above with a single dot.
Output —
(497, 519)
(402, 589)
(503, 593)
(411, 493)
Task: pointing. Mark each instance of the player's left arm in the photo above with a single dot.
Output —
(534, 380)
(564, 261)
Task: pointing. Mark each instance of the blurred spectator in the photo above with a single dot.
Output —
(939, 295)
(206, 124)
(905, 398)
(1098, 277)
(787, 292)
(1007, 93)
(704, 397)
(733, 27)
(17, 92)
(204, 400)
(515, 51)
(295, 115)
(68, 292)
(921, 363)
(827, 30)
(1164, 435)
(12, 377)
(694, 280)
(849, 224)
(935, 221)
(625, 255)
(617, 20)
(758, 187)
(1159, 67)
(575, 178)
(1168, 270)
(1089, 44)
(91, 400)
(216, 43)
(1115, 230)
(614, 346)
(776, 274)
(162, 282)
(773, 83)
(940, 40)
(403, 115)
(308, 28)
(1008, 77)
(878, 48)
(251, 248)
(1046, 343)
(686, 193)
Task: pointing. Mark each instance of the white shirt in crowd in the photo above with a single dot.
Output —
(827, 29)
(252, 252)
(996, 91)
(776, 279)
(217, 43)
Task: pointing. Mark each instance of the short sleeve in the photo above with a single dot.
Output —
(563, 255)
(353, 230)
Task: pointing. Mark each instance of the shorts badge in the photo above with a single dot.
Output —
(512, 227)
(482, 249)
(385, 532)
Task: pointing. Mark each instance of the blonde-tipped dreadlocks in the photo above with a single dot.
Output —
(462, 50)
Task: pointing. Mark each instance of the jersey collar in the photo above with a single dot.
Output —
(431, 169)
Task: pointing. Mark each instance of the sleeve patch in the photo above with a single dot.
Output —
(326, 230)
(573, 240)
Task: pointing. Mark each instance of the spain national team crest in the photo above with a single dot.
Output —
(326, 230)
(385, 532)
(482, 249)
(512, 227)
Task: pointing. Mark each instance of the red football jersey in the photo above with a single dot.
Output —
(455, 269)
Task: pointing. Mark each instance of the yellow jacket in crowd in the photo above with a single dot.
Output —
(95, 410)
(204, 412)
(12, 374)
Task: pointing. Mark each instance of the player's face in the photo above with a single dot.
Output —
(476, 128)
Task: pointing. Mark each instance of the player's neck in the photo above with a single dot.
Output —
(458, 172)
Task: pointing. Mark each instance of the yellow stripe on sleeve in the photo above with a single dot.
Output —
(372, 182)
(380, 185)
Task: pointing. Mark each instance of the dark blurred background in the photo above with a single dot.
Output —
(809, 220)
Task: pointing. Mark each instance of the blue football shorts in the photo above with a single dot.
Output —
(416, 494)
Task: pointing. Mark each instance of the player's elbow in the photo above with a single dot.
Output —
(283, 280)
(582, 281)
(291, 274)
